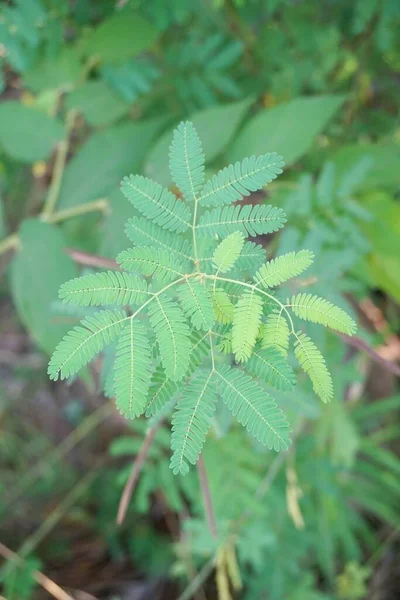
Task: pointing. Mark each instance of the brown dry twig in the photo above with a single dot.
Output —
(136, 469)
(47, 584)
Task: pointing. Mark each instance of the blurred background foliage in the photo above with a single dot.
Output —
(90, 92)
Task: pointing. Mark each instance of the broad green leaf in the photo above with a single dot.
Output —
(51, 73)
(215, 126)
(288, 129)
(99, 165)
(37, 272)
(27, 134)
(385, 168)
(122, 36)
(97, 103)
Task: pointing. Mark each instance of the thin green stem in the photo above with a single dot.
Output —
(9, 243)
(210, 333)
(256, 289)
(59, 166)
(77, 211)
(164, 289)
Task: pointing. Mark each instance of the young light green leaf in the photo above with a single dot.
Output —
(246, 323)
(223, 307)
(283, 267)
(275, 332)
(312, 362)
(228, 251)
(318, 310)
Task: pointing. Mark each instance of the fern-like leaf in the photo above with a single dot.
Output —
(110, 287)
(192, 421)
(156, 203)
(251, 258)
(284, 267)
(172, 335)
(253, 407)
(248, 219)
(196, 304)
(186, 160)
(223, 307)
(246, 323)
(132, 369)
(269, 365)
(145, 233)
(240, 179)
(228, 251)
(318, 310)
(161, 391)
(83, 342)
(150, 262)
(275, 332)
(312, 362)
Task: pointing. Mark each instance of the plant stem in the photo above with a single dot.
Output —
(198, 581)
(134, 475)
(9, 243)
(77, 211)
(92, 260)
(59, 166)
(205, 489)
(50, 586)
(254, 288)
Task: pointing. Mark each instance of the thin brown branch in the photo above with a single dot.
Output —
(134, 476)
(47, 584)
(92, 260)
(205, 489)
(359, 344)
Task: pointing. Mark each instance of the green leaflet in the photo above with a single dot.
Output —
(83, 342)
(196, 303)
(132, 369)
(145, 233)
(192, 421)
(253, 407)
(240, 179)
(269, 365)
(248, 219)
(156, 203)
(223, 307)
(110, 287)
(172, 335)
(150, 262)
(246, 323)
(313, 363)
(186, 160)
(162, 390)
(283, 267)
(276, 332)
(251, 258)
(318, 310)
(228, 251)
